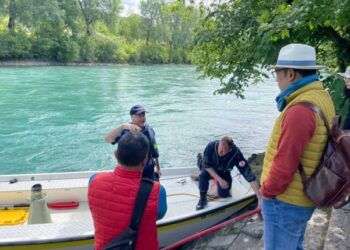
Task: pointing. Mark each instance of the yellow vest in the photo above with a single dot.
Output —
(316, 94)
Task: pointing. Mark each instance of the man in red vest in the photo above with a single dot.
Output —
(112, 196)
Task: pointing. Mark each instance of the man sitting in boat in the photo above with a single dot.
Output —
(138, 118)
(112, 195)
(219, 158)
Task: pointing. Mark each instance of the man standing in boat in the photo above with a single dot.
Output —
(219, 158)
(138, 118)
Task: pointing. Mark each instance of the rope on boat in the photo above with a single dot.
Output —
(212, 229)
(184, 194)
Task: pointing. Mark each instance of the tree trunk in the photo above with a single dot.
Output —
(86, 16)
(12, 15)
(148, 34)
(88, 22)
(342, 46)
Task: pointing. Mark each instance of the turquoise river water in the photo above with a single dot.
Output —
(54, 119)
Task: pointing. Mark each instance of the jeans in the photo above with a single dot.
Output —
(204, 178)
(284, 224)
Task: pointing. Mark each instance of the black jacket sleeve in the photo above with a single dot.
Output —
(244, 168)
(209, 156)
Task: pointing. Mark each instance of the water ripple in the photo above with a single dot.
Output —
(54, 119)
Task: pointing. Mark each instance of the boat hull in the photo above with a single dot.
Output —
(168, 233)
(181, 221)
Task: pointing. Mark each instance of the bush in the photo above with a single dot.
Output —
(154, 53)
(67, 50)
(336, 89)
(177, 55)
(44, 48)
(105, 49)
(101, 48)
(14, 45)
(87, 49)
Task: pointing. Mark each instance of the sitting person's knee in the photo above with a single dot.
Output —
(224, 193)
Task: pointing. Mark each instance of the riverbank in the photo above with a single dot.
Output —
(327, 230)
(30, 63)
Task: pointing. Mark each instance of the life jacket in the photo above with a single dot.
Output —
(111, 199)
(151, 135)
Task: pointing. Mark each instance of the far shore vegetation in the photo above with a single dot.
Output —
(94, 31)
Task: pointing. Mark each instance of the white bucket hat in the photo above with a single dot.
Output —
(297, 56)
(346, 74)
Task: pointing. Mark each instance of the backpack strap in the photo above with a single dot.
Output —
(318, 111)
(140, 203)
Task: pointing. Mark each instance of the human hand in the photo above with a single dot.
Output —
(223, 184)
(266, 198)
(132, 127)
(259, 202)
(157, 171)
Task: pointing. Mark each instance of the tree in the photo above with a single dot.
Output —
(181, 21)
(151, 11)
(238, 40)
(131, 27)
(12, 14)
(95, 10)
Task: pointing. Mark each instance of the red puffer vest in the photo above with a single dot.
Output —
(111, 199)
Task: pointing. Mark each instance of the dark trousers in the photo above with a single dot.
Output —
(204, 178)
(346, 124)
(148, 171)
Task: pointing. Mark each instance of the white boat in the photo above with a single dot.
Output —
(72, 228)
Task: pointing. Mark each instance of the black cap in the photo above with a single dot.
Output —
(137, 110)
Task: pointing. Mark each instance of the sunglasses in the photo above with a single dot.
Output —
(274, 73)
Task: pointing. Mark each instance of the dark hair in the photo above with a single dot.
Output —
(305, 72)
(132, 149)
(228, 140)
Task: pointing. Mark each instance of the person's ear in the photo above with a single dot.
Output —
(291, 73)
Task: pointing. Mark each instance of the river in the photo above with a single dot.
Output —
(54, 119)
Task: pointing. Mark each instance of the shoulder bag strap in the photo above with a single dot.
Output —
(140, 203)
(317, 110)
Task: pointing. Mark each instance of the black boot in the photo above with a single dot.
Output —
(202, 203)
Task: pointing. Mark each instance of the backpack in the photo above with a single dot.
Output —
(126, 240)
(329, 185)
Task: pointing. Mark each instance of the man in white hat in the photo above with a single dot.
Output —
(298, 137)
